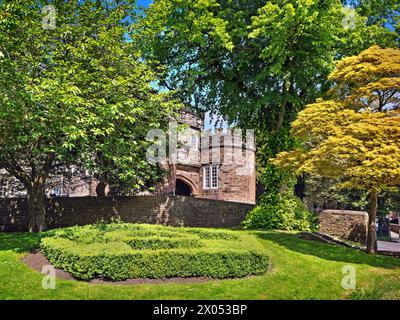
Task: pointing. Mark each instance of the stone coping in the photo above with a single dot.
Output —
(345, 212)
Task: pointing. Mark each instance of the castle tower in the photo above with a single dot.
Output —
(228, 166)
(214, 165)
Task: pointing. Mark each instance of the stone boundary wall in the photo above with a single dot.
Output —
(347, 225)
(174, 211)
(395, 228)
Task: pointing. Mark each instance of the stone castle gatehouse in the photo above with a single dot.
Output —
(216, 165)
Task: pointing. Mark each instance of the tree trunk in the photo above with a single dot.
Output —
(101, 189)
(300, 188)
(371, 239)
(36, 207)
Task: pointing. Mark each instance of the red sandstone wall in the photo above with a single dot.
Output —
(175, 211)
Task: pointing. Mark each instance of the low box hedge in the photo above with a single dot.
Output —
(116, 254)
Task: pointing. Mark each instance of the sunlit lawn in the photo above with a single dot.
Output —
(301, 269)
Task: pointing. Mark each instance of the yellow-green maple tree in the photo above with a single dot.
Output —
(354, 135)
(370, 80)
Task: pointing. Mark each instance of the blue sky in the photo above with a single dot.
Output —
(144, 3)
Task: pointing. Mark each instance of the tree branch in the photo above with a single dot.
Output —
(16, 170)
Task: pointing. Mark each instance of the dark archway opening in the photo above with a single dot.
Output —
(182, 189)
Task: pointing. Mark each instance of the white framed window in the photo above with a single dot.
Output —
(214, 176)
(210, 177)
(206, 176)
(3, 187)
(56, 192)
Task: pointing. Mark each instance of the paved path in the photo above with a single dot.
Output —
(388, 246)
(393, 245)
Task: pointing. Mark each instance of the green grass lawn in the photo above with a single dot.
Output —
(301, 269)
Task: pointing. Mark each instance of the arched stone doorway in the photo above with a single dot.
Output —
(182, 188)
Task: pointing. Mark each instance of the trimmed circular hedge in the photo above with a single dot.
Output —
(120, 251)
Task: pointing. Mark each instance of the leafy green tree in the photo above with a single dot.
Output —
(257, 64)
(377, 11)
(73, 89)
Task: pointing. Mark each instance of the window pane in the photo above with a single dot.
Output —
(214, 177)
(206, 173)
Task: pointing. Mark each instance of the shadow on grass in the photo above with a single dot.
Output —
(19, 242)
(327, 251)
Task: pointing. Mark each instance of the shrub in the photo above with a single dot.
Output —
(123, 251)
(161, 243)
(284, 212)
